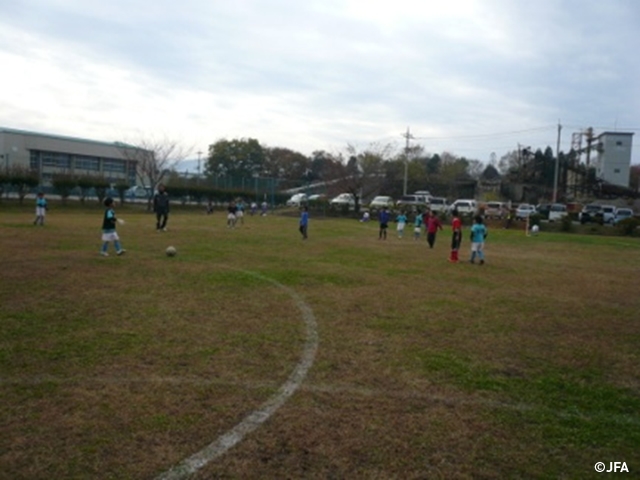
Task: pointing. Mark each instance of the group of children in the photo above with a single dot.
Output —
(429, 220)
(109, 219)
(432, 224)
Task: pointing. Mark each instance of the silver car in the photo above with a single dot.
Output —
(524, 211)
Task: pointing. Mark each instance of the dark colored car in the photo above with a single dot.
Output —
(543, 209)
(590, 213)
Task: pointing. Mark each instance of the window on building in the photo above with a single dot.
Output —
(115, 166)
(87, 163)
(616, 170)
(34, 161)
(56, 159)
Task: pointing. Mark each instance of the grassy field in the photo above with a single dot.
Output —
(122, 367)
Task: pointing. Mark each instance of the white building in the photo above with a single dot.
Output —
(49, 154)
(613, 161)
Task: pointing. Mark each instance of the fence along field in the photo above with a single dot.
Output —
(122, 367)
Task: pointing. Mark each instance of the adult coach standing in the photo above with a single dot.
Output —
(161, 208)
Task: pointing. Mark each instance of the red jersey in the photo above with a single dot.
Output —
(433, 224)
(456, 224)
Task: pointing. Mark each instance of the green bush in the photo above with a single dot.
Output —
(534, 219)
(566, 224)
(628, 226)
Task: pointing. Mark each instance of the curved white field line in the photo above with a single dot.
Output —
(252, 421)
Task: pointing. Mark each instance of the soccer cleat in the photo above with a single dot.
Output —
(121, 251)
(104, 254)
(481, 262)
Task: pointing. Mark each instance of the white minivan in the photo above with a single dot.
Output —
(557, 211)
(464, 207)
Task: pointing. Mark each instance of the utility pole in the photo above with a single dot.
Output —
(408, 137)
(557, 167)
(198, 179)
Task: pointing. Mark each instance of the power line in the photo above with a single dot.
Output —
(485, 135)
(608, 129)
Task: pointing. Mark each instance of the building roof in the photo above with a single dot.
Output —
(614, 133)
(63, 137)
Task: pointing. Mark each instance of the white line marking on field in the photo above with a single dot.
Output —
(252, 421)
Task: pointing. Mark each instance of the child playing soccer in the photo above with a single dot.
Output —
(478, 235)
(456, 237)
(402, 221)
(417, 226)
(432, 225)
(41, 209)
(304, 222)
(109, 229)
(383, 219)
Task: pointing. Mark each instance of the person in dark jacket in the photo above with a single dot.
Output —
(161, 208)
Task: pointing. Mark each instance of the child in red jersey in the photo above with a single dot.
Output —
(456, 238)
(432, 226)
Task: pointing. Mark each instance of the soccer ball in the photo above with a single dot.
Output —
(171, 251)
(535, 229)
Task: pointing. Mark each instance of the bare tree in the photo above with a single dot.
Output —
(154, 160)
(365, 173)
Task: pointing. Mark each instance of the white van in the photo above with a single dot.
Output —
(438, 204)
(557, 211)
(464, 207)
(297, 199)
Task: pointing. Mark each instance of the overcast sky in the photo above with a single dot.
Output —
(468, 77)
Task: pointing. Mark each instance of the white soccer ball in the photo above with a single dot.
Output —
(535, 229)
(171, 251)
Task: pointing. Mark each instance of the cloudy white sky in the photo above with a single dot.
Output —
(472, 77)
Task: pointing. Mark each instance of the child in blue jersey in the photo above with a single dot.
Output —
(41, 209)
(383, 218)
(109, 229)
(417, 226)
(402, 221)
(304, 222)
(478, 235)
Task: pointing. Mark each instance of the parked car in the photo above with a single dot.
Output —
(608, 213)
(464, 207)
(622, 214)
(524, 211)
(381, 201)
(344, 199)
(543, 209)
(557, 211)
(425, 193)
(137, 192)
(590, 213)
(414, 202)
(438, 204)
(297, 199)
(317, 197)
(495, 210)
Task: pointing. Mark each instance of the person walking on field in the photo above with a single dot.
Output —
(383, 218)
(41, 209)
(432, 226)
(109, 233)
(231, 215)
(161, 208)
(478, 235)
(304, 222)
(456, 237)
(417, 226)
(402, 221)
